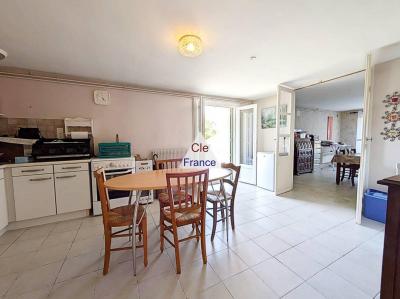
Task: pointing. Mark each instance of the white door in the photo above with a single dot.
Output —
(246, 142)
(366, 139)
(285, 103)
(72, 191)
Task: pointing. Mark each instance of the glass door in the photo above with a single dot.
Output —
(246, 142)
(285, 140)
(218, 132)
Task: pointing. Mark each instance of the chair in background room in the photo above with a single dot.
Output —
(186, 206)
(165, 164)
(216, 198)
(119, 217)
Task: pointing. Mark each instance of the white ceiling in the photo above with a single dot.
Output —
(338, 95)
(134, 41)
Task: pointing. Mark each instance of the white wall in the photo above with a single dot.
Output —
(315, 122)
(348, 127)
(384, 154)
(265, 137)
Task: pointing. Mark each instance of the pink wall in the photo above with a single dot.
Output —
(146, 120)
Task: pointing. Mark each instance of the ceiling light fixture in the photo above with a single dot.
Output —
(3, 54)
(190, 45)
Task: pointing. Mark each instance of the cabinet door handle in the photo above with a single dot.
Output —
(71, 167)
(32, 170)
(40, 179)
(66, 176)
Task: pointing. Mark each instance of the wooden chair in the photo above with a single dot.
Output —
(186, 206)
(216, 198)
(119, 217)
(168, 163)
(165, 164)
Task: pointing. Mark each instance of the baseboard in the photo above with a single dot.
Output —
(46, 220)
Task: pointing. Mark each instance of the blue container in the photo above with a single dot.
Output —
(375, 205)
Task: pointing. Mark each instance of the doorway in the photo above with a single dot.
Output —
(246, 142)
(328, 130)
(218, 131)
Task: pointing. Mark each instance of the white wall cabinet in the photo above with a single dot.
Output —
(3, 203)
(72, 191)
(34, 196)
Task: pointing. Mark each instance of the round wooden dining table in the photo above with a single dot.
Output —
(157, 180)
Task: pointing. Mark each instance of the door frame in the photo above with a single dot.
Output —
(237, 138)
(285, 88)
(366, 138)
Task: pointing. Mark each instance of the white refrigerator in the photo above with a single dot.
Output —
(266, 170)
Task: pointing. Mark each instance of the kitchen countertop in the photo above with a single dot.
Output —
(12, 165)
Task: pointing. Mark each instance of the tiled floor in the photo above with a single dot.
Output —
(304, 244)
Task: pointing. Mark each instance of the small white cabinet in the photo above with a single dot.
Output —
(3, 202)
(72, 191)
(34, 196)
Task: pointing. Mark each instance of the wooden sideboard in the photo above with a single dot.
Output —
(390, 283)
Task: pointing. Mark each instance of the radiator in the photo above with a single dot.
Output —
(168, 153)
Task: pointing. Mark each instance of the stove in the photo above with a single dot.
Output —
(112, 168)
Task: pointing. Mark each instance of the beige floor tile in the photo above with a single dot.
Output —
(37, 294)
(218, 291)
(290, 235)
(197, 277)
(78, 266)
(37, 232)
(299, 263)
(247, 285)
(304, 291)
(90, 232)
(6, 282)
(90, 245)
(251, 253)
(23, 246)
(333, 286)
(250, 230)
(276, 276)
(317, 252)
(214, 246)
(58, 238)
(16, 263)
(118, 283)
(66, 226)
(272, 244)
(226, 263)
(35, 279)
(158, 263)
(235, 237)
(77, 288)
(50, 254)
(164, 286)
(189, 252)
(10, 236)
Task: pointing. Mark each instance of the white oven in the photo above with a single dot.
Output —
(112, 168)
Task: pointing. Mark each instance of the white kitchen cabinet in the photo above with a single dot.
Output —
(34, 196)
(3, 203)
(72, 191)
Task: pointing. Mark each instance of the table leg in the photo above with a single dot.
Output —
(226, 212)
(338, 167)
(134, 226)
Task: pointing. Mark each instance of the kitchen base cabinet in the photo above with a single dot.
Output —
(72, 191)
(34, 196)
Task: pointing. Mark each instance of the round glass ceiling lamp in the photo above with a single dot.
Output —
(190, 45)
